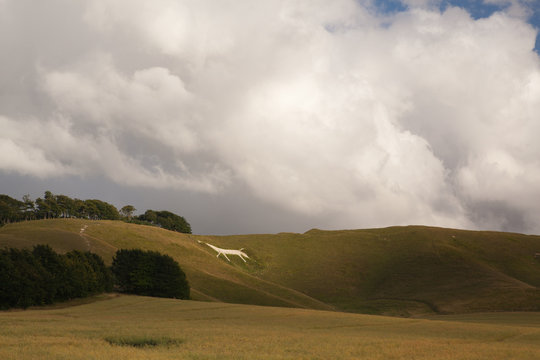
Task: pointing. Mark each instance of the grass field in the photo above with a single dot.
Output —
(131, 327)
(418, 272)
(403, 271)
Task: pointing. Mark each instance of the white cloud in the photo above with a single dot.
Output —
(516, 8)
(319, 107)
(421, 3)
(166, 24)
(20, 154)
(151, 102)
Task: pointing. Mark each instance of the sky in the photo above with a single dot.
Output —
(277, 116)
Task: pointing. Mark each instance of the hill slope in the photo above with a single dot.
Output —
(210, 278)
(398, 270)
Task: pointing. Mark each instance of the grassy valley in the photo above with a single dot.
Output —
(405, 271)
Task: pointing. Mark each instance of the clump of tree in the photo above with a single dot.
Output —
(166, 220)
(149, 273)
(54, 206)
(41, 276)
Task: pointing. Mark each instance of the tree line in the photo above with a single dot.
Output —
(41, 276)
(53, 206)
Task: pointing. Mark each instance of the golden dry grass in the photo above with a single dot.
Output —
(198, 330)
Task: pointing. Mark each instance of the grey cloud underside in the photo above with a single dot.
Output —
(329, 113)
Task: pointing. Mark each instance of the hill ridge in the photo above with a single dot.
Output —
(399, 270)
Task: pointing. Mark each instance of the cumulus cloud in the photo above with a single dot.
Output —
(321, 108)
(517, 8)
(421, 3)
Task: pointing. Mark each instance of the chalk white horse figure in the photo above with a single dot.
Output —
(224, 252)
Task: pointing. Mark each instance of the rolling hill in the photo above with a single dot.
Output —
(404, 271)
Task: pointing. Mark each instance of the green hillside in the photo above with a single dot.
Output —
(399, 270)
(210, 278)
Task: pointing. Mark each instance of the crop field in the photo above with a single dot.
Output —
(132, 327)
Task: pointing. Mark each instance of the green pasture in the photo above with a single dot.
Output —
(400, 271)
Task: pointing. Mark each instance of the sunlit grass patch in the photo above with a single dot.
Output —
(142, 341)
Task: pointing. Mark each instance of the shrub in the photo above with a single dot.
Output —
(142, 341)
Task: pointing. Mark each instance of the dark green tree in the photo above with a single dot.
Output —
(43, 210)
(149, 273)
(55, 265)
(26, 280)
(42, 276)
(168, 279)
(127, 211)
(66, 205)
(79, 208)
(50, 200)
(150, 216)
(167, 220)
(11, 210)
(29, 211)
(100, 210)
(8, 268)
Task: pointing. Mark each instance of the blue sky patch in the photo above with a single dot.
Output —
(390, 6)
(477, 8)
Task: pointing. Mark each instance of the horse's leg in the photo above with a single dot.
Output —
(226, 257)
